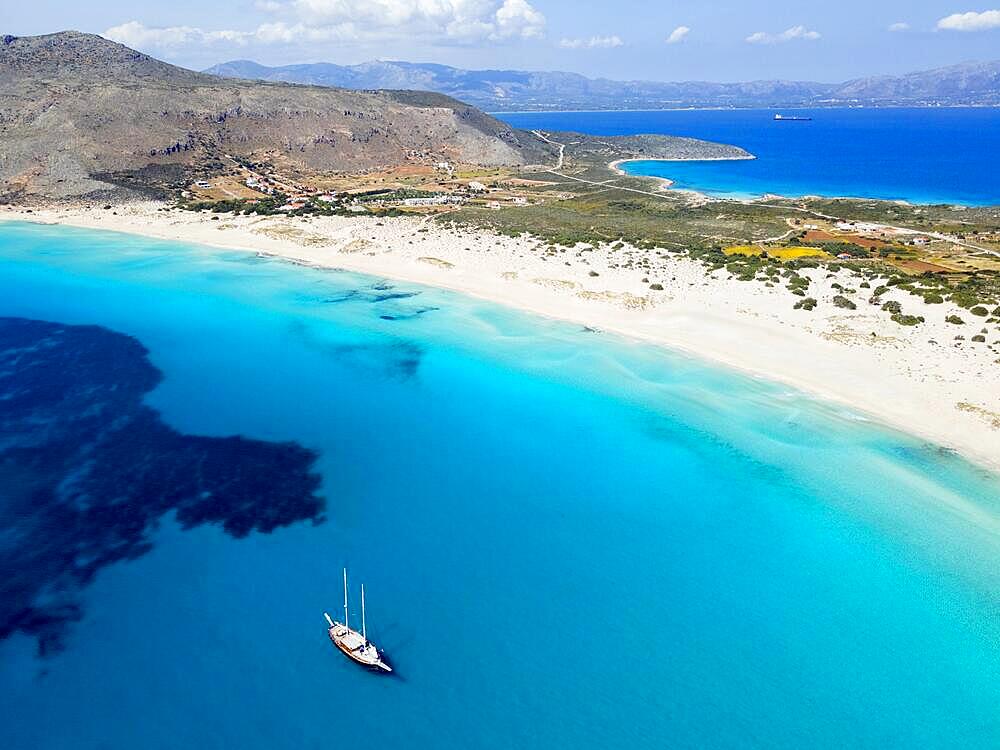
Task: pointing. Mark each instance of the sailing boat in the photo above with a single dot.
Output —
(353, 644)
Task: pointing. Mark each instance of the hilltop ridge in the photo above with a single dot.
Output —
(80, 114)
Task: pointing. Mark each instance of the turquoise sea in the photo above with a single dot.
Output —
(567, 539)
(926, 155)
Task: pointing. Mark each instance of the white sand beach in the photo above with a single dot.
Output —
(664, 183)
(919, 379)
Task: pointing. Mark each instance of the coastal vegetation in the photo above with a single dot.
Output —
(939, 253)
(777, 243)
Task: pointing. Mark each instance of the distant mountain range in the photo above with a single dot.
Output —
(507, 90)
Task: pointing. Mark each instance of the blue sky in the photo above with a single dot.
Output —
(681, 40)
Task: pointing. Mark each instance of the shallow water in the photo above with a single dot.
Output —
(939, 155)
(567, 539)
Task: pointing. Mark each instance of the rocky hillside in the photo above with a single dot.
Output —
(80, 115)
(497, 90)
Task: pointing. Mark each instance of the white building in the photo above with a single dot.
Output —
(434, 200)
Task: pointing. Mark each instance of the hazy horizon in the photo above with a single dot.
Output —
(392, 60)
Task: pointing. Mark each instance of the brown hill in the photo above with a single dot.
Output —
(78, 113)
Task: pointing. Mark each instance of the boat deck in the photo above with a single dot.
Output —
(354, 646)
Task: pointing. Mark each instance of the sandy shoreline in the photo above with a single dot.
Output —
(615, 166)
(918, 379)
(665, 183)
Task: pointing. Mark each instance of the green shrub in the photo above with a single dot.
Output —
(964, 298)
(805, 304)
(907, 320)
(892, 307)
(656, 287)
(979, 338)
(979, 310)
(933, 298)
(841, 301)
(955, 320)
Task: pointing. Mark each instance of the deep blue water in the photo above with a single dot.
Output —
(945, 155)
(568, 540)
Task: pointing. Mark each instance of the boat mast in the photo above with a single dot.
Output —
(345, 598)
(364, 633)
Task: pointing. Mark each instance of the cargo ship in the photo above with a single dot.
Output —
(792, 118)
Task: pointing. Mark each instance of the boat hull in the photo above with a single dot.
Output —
(357, 654)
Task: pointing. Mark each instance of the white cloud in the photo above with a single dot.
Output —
(678, 35)
(470, 20)
(971, 21)
(901, 26)
(796, 32)
(518, 18)
(299, 21)
(280, 32)
(595, 42)
(135, 34)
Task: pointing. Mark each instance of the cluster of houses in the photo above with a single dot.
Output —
(864, 227)
(301, 200)
(259, 185)
(859, 226)
(299, 197)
